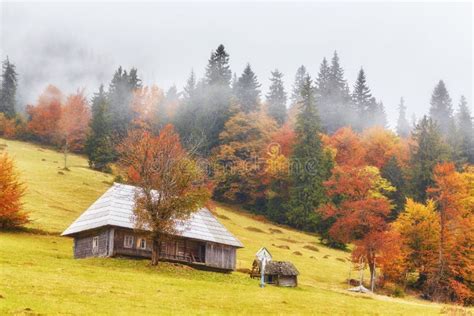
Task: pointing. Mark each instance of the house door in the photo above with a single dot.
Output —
(202, 252)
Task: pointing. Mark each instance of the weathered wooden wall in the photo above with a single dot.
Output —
(83, 244)
(135, 251)
(287, 281)
(220, 256)
(111, 243)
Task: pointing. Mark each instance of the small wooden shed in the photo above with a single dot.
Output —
(280, 273)
(107, 229)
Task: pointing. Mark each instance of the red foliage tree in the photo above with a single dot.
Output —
(452, 276)
(347, 146)
(73, 124)
(172, 185)
(45, 116)
(359, 209)
(380, 145)
(11, 192)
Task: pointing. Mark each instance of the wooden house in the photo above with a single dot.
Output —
(107, 229)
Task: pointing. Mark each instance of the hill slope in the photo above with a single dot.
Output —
(39, 275)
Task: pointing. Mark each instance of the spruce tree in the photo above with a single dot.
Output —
(99, 146)
(403, 127)
(119, 97)
(190, 87)
(247, 91)
(365, 104)
(8, 89)
(322, 82)
(441, 110)
(298, 85)
(218, 69)
(201, 117)
(466, 130)
(276, 98)
(311, 165)
(392, 171)
(333, 96)
(428, 151)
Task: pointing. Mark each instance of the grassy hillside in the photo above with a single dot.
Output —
(39, 276)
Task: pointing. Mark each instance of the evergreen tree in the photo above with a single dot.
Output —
(466, 130)
(441, 110)
(119, 97)
(298, 85)
(99, 146)
(322, 82)
(190, 87)
(8, 89)
(428, 151)
(366, 105)
(392, 171)
(333, 96)
(201, 117)
(218, 69)
(311, 165)
(276, 98)
(247, 91)
(403, 127)
(361, 95)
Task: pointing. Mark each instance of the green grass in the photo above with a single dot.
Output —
(39, 276)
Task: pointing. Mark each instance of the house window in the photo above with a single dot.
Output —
(142, 243)
(128, 241)
(95, 244)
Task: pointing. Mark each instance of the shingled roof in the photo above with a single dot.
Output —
(115, 208)
(280, 268)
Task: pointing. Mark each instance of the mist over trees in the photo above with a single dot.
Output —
(317, 158)
(8, 89)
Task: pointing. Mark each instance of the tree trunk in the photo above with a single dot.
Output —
(155, 251)
(65, 155)
(371, 263)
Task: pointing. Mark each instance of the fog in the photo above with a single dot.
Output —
(405, 48)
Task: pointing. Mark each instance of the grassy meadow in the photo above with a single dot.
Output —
(39, 276)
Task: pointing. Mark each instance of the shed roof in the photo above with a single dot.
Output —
(281, 268)
(115, 208)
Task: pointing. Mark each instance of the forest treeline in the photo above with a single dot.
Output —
(318, 158)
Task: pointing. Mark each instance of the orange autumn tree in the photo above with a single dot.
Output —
(11, 192)
(73, 124)
(275, 175)
(380, 145)
(359, 209)
(171, 184)
(347, 146)
(451, 276)
(45, 116)
(418, 229)
(237, 164)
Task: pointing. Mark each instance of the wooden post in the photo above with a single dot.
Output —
(262, 273)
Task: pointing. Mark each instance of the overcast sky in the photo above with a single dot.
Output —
(405, 48)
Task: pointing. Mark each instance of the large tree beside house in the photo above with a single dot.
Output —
(171, 183)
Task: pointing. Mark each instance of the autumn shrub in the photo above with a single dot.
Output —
(11, 192)
(7, 127)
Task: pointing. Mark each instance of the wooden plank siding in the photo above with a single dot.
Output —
(220, 256)
(111, 242)
(83, 244)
